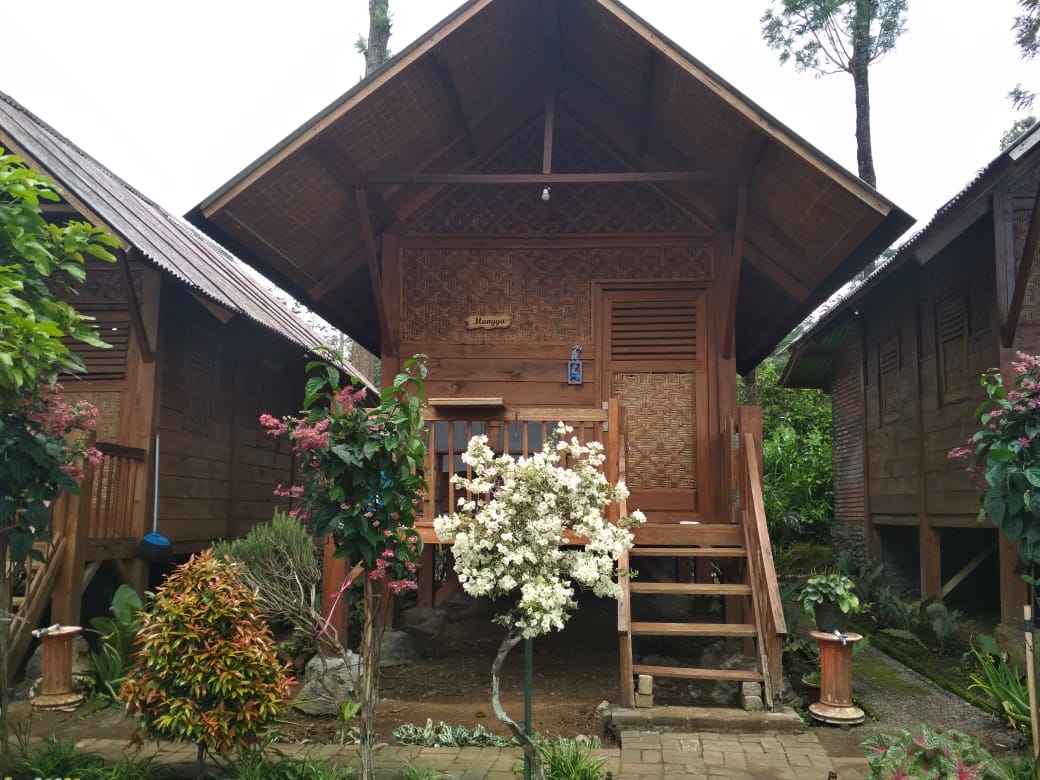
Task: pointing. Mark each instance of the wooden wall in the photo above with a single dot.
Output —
(920, 342)
(217, 468)
(552, 291)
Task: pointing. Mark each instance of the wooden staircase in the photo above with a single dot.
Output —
(729, 561)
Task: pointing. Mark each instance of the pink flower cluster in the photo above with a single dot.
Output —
(347, 398)
(51, 415)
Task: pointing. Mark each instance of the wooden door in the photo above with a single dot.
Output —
(652, 351)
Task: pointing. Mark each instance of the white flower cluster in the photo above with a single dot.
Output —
(510, 527)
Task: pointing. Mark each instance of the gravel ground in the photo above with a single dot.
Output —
(899, 697)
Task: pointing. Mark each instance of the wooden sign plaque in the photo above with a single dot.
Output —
(488, 321)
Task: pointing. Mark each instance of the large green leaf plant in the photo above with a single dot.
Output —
(1006, 450)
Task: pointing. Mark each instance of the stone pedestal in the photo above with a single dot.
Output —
(835, 704)
(56, 650)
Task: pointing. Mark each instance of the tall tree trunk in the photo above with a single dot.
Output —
(530, 749)
(859, 67)
(378, 34)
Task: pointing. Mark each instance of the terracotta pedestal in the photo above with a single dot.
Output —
(56, 689)
(835, 704)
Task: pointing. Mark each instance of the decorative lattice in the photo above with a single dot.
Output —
(1030, 314)
(572, 208)
(662, 429)
(546, 292)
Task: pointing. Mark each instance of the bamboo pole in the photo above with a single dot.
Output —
(1027, 612)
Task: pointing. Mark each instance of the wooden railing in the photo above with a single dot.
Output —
(770, 626)
(116, 485)
(518, 432)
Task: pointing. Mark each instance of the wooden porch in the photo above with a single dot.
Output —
(727, 557)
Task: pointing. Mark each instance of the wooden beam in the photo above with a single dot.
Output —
(748, 162)
(647, 88)
(773, 271)
(342, 164)
(1025, 269)
(547, 138)
(736, 258)
(344, 269)
(751, 113)
(286, 266)
(448, 85)
(373, 273)
(146, 348)
(384, 76)
(502, 179)
(553, 54)
(968, 568)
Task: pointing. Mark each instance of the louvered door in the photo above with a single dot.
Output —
(652, 358)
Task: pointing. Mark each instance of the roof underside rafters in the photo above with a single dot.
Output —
(431, 121)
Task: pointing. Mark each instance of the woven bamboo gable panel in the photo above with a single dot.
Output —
(662, 429)
(584, 209)
(547, 292)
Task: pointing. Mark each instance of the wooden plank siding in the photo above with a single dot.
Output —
(217, 469)
(925, 342)
(554, 294)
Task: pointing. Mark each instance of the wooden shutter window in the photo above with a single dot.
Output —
(888, 379)
(951, 334)
(653, 330)
(104, 363)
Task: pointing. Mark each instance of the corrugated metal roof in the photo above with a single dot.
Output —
(802, 372)
(164, 239)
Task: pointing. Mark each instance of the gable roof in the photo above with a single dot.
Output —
(168, 242)
(308, 212)
(812, 356)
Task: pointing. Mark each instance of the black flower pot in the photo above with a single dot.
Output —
(830, 618)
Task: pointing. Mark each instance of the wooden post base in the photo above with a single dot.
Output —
(835, 705)
(56, 689)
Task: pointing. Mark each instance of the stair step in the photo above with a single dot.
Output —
(694, 589)
(687, 552)
(688, 535)
(689, 673)
(692, 629)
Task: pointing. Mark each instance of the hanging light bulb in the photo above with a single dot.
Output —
(545, 195)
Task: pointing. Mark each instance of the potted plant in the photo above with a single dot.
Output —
(830, 598)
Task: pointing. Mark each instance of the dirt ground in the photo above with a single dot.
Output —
(574, 671)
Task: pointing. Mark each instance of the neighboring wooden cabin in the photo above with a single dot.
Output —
(528, 178)
(901, 357)
(199, 350)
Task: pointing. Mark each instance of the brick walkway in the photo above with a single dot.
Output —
(643, 755)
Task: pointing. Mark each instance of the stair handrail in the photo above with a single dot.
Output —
(770, 624)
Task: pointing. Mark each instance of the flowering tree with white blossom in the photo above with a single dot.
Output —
(511, 540)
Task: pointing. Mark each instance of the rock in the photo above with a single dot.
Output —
(426, 621)
(397, 648)
(327, 683)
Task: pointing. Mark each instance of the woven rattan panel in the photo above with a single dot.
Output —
(662, 429)
(599, 208)
(547, 293)
(109, 406)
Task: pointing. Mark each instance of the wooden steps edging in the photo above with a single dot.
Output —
(689, 673)
(691, 589)
(692, 629)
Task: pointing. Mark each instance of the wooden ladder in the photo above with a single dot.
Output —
(28, 606)
(705, 543)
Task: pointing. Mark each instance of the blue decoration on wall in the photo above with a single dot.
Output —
(574, 366)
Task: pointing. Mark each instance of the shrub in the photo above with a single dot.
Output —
(281, 564)
(1000, 682)
(930, 754)
(118, 633)
(571, 759)
(205, 671)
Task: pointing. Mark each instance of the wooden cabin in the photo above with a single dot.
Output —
(534, 184)
(901, 357)
(199, 349)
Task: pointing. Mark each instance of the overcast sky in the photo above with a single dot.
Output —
(178, 96)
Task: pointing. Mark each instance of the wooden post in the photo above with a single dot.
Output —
(835, 704)
(333, 574)
(1027, 613)
(75, 525)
